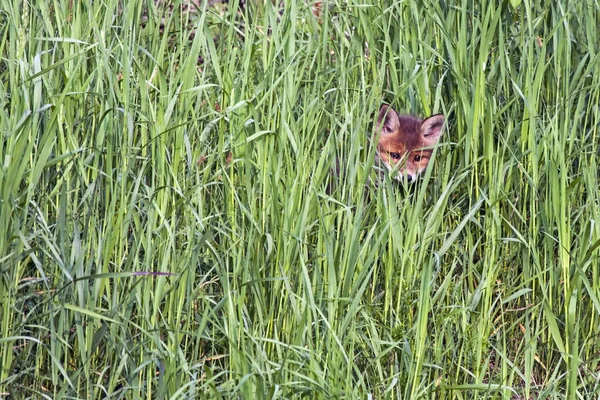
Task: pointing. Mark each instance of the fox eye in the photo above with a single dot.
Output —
(418, 158)
(395, 156)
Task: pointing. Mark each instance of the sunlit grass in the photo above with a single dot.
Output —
(189, 207)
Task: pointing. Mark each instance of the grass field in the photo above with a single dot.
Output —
(173, 225)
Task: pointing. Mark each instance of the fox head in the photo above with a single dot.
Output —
(406, 141)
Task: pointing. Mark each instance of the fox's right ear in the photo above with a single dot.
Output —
(388, 121)
(431, 129)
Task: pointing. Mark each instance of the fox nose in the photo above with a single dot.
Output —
(409, 178)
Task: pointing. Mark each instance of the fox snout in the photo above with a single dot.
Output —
(406, 143)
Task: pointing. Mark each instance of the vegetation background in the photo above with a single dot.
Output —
(173, 224)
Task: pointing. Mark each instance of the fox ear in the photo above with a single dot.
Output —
(388, 121)
(431, 129)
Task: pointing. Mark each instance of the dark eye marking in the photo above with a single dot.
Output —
(395, 156)
(422, 155)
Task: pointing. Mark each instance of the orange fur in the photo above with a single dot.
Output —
(407, 141)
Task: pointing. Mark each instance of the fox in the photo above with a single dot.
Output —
(405, 143)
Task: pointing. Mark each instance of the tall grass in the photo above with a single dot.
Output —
(189, 207)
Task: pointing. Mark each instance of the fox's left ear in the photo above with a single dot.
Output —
(387, 121)
(431, 129)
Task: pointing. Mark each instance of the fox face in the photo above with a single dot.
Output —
(407, 141)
